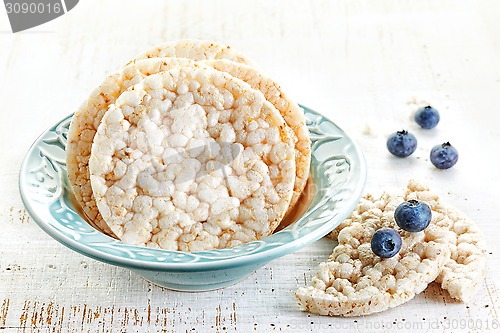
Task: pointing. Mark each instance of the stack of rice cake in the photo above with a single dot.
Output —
(188, 147)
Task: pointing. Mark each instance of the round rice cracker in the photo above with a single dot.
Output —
(87, 119)
(357, 282)
(190, 160)
(194, 49)
(291, 112)
(464, 272)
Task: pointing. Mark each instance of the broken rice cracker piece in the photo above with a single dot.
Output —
(190, 160)
(463, 273)
(356, 282)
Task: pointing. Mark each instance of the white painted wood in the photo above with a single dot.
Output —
(356, 61)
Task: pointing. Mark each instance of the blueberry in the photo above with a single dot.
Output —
(402, 143)
(427, 117)
(444, 156)
(386, 242)
(413, 215)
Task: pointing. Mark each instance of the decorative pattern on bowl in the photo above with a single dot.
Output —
(338, 173)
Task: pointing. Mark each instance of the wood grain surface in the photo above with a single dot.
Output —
(358, 62)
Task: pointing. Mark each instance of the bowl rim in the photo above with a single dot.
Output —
(215, 264)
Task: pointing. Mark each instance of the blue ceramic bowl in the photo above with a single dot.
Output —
(338, 174)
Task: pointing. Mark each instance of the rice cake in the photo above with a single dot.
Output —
(194, 49)
(87, 119)
(355, 281)
(463, 273)
(291, 112)
(192, 159)
(461, 269)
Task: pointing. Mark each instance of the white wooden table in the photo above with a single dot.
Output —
(358, 62)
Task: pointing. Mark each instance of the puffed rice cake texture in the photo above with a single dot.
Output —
(87, 119)
(357, 282)
(464, 272)
(194, 49)
(289, 109)
(192, 159)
